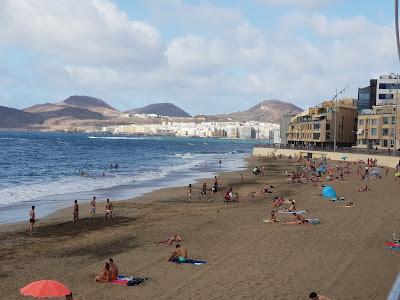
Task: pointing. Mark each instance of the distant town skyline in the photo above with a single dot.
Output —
(204, 56)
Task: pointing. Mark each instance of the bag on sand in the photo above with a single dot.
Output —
(136, 281)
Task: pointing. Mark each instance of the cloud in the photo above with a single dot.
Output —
(216, 61)
(298, 3)
(79, 31)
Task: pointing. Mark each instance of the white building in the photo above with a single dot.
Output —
(384, 88)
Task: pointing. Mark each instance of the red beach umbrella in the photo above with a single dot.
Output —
(45, 289)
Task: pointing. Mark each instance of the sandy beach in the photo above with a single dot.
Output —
(342, 258)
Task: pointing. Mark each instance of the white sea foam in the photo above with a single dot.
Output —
(27, 192)
(119, 137)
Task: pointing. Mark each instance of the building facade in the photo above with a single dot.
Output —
(380, 91)
(376, 128)
(284, 125)
(318, 126)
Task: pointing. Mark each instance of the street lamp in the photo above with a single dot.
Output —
(396, 8)
(335, 97)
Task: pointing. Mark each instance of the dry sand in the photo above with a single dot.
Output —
(342, 258)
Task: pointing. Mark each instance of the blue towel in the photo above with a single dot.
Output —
(189, 261)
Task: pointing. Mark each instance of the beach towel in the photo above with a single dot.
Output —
(129, 280)
(189, 261)
(392, 244)
(313, 221)
(292, 212)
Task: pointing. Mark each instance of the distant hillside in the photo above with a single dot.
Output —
(86, 102)
(161, 109)
(266, 111)
(15, 118)
(74, 112)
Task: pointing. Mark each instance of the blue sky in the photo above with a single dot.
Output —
(205, 56)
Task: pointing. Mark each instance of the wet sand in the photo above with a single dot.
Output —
(342, 258)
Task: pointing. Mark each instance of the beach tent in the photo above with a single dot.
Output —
(328, 192)
(321, 169)
(375, 173)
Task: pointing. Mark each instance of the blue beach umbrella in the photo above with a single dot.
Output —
(328, 192)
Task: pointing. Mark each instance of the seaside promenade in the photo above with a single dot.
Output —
(383, 158)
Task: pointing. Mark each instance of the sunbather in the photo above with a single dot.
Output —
(113, 269)
(363, 189)
(273, 218)
(179, 254)
(105, 275)
(299, 220)
(172, 239)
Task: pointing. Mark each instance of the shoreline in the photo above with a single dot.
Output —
(47, 205)
(58, 214)
(342, 258)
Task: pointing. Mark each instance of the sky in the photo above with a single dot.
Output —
(204, 56)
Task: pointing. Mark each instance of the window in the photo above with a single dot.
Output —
(393, 121)
(377, 142)
(373, 131)
(385, 96)
(316, 126)
(368, 121)
(361, 122)
(364, 142)
(328, 126)
(385, 143)
(385, 131)
(373, 121)
(316, 136)
(385, 120)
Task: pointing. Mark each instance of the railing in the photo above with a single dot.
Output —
(330, 149)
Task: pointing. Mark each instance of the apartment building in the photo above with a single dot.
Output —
(316, 126)
(380, 91)
(376, 128)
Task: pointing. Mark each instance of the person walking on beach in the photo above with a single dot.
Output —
(204, 190)
(189, 191)
(109, 209)
(76, 212)
(32, 219)
(93, 207)
(220, 163)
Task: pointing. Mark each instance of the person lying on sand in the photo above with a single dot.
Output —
(113, 269)
(278, 201)
(272, 218)
(299, 220)
(363, 189)
(172, 239)
(178, 254)
(105, 274)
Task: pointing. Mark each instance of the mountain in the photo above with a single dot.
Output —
(82, 102)
(266, 111)
(161, 109)
(73, 112)
(86, 102)
(15, 118)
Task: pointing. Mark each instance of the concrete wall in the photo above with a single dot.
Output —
(385, 161)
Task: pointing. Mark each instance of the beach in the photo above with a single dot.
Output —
(342, 258)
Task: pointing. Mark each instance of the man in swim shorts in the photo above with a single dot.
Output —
(109, 209)
(76, 212)
(93, 207)
(113, 269)
(32, 219)
(179, 254)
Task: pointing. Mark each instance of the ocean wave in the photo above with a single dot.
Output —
(76, 184)
(118, 138)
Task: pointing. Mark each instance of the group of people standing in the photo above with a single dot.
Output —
(75, 213)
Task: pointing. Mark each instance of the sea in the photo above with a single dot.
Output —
(45, 169)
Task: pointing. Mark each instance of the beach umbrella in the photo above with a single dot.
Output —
(328, 192)
(45, 289)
